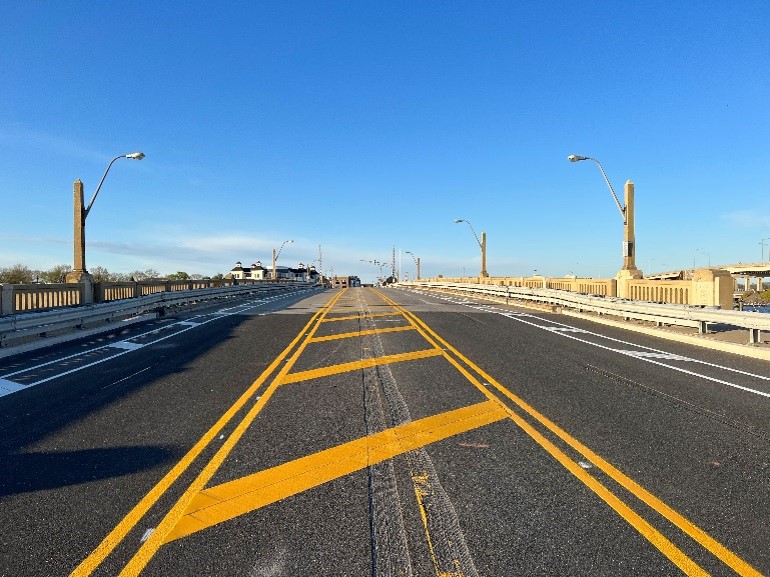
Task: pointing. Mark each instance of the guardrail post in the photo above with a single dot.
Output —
(6, 300)
(755, 336)
(99, 292)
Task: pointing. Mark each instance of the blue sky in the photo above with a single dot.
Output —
(361, 126)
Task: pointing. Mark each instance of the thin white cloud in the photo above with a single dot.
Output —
(746, 218)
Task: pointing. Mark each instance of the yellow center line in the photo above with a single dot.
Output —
(155, 540)
(229, 500)
(361, 333)
(114, 537)
(356, 365)
(737, 564)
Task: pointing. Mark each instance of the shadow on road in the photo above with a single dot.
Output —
(27, 472)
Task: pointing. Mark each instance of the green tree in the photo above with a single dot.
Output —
(16, 274)
(56, 274)
(138, 275)
(179, 275)
(101, 274)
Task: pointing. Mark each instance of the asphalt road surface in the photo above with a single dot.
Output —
(382, 432)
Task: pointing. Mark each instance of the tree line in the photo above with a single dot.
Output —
(21, 274)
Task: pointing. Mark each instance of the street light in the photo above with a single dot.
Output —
(276, 255)
(416, 260)
(701, 251)
(380, 264)
(626, 213)
(482, 245)
(762, 256)
(79, 272)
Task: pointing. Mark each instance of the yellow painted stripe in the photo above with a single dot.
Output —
(113, 539)
(356, 365)
(361, 333)
(359, 317)
(737, 564)
(230, 500)
(155, 540)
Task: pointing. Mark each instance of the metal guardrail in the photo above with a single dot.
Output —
(662, 314)
(41, 324)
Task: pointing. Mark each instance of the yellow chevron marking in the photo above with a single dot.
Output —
(359, 317)
(355, 365)
(361, 333)
(229, 500)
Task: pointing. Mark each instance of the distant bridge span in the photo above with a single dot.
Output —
(747, 271)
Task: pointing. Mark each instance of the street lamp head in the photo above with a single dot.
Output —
(576, 158)
(136, 155)
(459, 220)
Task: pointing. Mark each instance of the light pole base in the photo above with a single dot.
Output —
(624, 275)
(79, 276)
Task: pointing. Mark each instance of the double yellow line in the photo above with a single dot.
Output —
(156, 539)
(200, 507)
(662, 543)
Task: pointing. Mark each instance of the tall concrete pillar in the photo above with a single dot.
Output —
(484, 272)
(79, 235)
(79, 273)
(629, 271)
(629, 242)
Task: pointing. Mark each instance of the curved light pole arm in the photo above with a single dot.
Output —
(578, 158)
(87, 209)
(133, 155)
(280, 249)
(482, 245)
(612, 190)
(275, 258)
(458, 220)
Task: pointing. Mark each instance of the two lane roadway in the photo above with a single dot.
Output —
(383, 432)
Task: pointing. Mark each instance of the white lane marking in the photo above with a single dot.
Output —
(126, 345)
(653, 355)
(189, 323)
(120, 354)
(147, 533)
(125, 378)
(565, 329)
(675, 368)
(647, 357)
(7, 387)
(90, 351)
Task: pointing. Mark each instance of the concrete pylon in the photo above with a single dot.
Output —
(629, 270)
(79, 272)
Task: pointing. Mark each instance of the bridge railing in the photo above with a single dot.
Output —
(659, 313)
(36, 325)
(19, 298)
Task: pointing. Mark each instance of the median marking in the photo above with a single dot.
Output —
(361, 334)
(229, 500)
(356, 365)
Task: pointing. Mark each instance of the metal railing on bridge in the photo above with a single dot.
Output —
(694, 316)
(38, 311)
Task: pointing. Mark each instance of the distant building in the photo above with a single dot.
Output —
(345, 281)
(258, 272)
